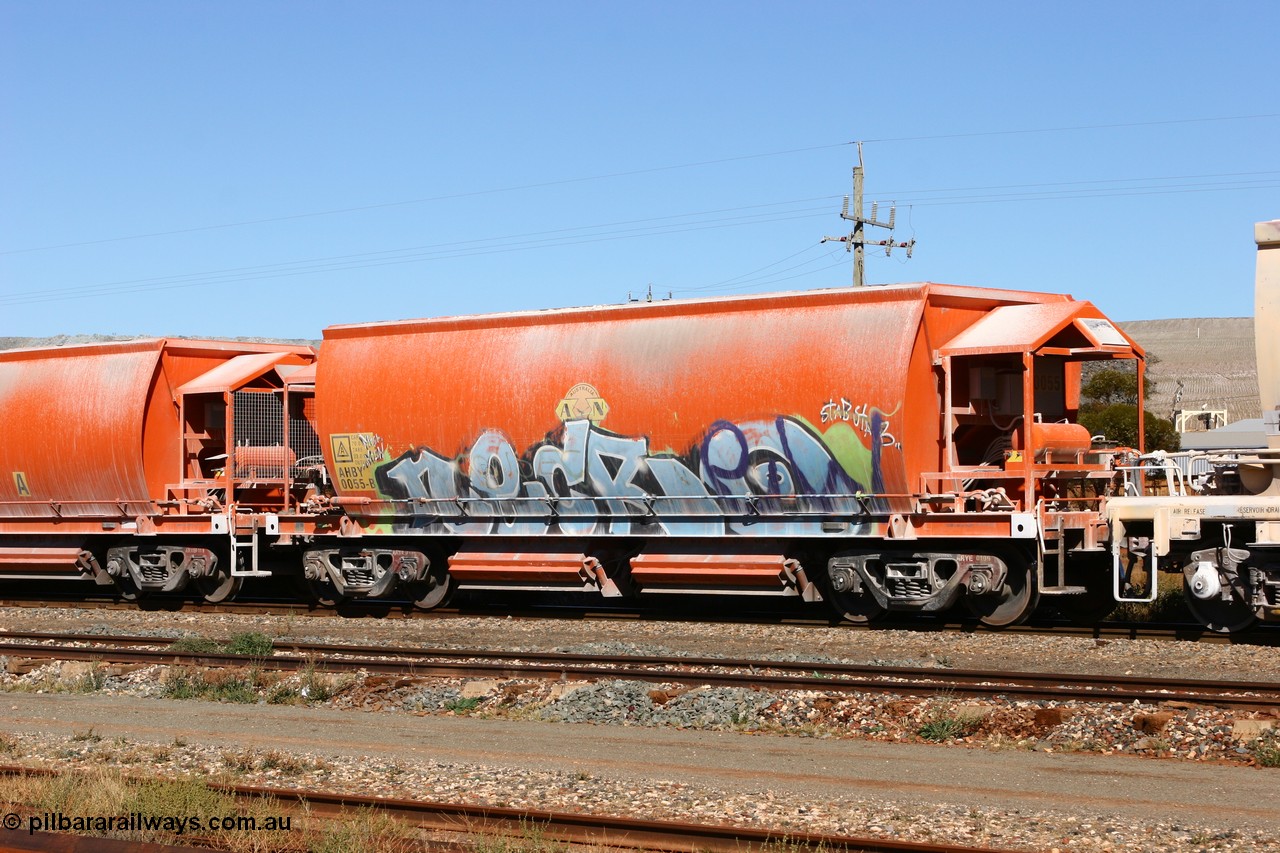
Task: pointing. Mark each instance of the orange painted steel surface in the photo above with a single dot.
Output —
(93, 431)
(535, 566)
(1060, 439)
(667, 372)
(764, 570)
(273, 458)
(20, 560)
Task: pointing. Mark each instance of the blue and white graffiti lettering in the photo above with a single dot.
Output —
(765, 477)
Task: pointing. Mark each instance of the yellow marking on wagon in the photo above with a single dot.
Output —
(355, 456)
(582, 401)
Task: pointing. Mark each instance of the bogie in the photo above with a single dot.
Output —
(905, 449)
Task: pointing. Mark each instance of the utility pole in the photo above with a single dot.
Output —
(854, 240)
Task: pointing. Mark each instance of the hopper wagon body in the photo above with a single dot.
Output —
(887, 446)
(120, 460)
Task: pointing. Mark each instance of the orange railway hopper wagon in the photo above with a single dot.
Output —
(882, 448)
(144, 465)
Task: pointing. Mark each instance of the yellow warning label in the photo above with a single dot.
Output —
(355, 456)
(582, 401)
(20, 481)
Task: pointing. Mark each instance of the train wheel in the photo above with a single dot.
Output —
(844, 591)
(1223, 617)
(128, 591)
(434, 591)
(220, 586)
(320, 592)
(1012, 603)
(857, 607)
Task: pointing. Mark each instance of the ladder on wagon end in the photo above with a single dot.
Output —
(1051, 561)
(245, 536)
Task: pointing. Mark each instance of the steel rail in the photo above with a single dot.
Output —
(1261, 635)
(568, 827)
(829, 678)
(21, 841)
(754, 665)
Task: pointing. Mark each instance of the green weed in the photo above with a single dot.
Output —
(945, 728)
(533, 839)
(316, 686)
(1266, 749)
(196, 646)
(91, 681)
(461, 705)
(216, 686)
(944, 722)
(284, 762)
(242, 760)
(254, 644)
(1170, 604)
(366, 830)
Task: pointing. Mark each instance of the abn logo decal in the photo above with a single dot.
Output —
(582, 402)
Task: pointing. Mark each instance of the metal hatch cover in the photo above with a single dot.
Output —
(237, 372)
(1026, 328)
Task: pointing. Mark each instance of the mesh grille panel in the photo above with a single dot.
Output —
(259, 435)
(259, 419)
(302, 434)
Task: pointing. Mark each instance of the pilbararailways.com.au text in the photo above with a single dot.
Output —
(138, 822)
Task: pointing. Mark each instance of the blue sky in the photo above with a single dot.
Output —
(271, 168)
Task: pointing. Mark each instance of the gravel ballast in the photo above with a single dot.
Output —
(1009, 730)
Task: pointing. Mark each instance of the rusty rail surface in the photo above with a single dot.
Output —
(19, 841)
(1262, 635)
(565, 827)
(728, 672)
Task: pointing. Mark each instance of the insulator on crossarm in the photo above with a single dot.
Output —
(892, 211)
(844, 211)
(875, 205)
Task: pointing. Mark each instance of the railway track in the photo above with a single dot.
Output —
(621, 833)
(1266, 635)
(690, 671)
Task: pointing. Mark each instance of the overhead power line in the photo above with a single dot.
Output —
(1087, 194)
(425, 200)
(1072, 127)
(573, 236)
(609, 175)
(485, 245)
(895, 193)
(746, 275)
(286, 270)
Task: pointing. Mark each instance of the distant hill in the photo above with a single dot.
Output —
(61, 340)
(1214, 359)
(74, 340)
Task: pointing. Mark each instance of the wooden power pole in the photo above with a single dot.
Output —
(854, 241)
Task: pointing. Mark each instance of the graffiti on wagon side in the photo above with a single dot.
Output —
(862, 417)
(761, 477)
